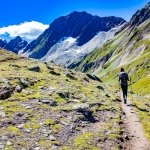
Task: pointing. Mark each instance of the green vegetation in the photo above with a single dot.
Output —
(129, 49)
(14, 130)
(85, 141)
(44, 109)
(49, 122)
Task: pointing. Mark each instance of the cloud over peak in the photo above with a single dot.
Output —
(27, 30)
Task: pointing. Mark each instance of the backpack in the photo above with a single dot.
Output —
(124, 78)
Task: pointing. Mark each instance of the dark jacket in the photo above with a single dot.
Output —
(123, 78)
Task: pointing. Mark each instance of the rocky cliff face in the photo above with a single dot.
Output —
(140, 16)
(80, 25)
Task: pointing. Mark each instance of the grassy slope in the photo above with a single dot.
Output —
(131, 50)
(43, 117)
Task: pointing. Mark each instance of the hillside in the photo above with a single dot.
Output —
(43, 106)
(129, 49)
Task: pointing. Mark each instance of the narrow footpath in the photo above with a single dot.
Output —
(134, 127)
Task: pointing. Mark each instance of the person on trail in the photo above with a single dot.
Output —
(123, 79)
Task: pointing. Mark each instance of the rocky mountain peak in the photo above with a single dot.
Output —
(16, 44)
(140, 16)
(80, 25)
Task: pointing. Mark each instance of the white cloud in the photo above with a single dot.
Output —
(27, 30)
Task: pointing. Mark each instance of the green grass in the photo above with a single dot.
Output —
(43, 115)
(49, 122)
(85, 141)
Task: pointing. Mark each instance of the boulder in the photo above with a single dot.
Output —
(85, 110)
(55, 73)
(52, 138)
(107, 95)
(48, 102)
(81, 107)
(24, 83)
(65, 95)
(45, 101)
(86, 79)
(35, 69)
(6, 92)
(48, 66)
(18, 88)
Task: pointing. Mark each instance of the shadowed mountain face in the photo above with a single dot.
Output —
(2, 43)
(80, 25)
(14, 45)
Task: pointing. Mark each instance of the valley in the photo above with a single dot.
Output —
(61, 90)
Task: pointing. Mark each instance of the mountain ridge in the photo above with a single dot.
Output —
(80, 25)
(15, 45)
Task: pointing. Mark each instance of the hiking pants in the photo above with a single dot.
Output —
(124, 90)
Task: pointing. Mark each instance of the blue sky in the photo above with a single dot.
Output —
(15, 12)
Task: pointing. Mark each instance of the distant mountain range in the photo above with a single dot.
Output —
(66, 39)
(78, 27)
(70, 39)
(14, 45)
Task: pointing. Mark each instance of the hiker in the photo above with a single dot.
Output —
(123, 79)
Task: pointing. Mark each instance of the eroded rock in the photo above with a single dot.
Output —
(25, 83)
(55, 73)
(35, 69)
(65, 95)
(18, 88)
(6, 92)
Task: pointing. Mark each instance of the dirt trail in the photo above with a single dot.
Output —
(135, 129)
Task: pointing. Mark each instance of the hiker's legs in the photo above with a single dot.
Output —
(124, 90)
(125, 93)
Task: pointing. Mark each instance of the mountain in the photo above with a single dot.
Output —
(79, 25)
(66, 52)
(2, 43)
(16, 44)
(44, 106)
(140, 16)
(129, 49)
